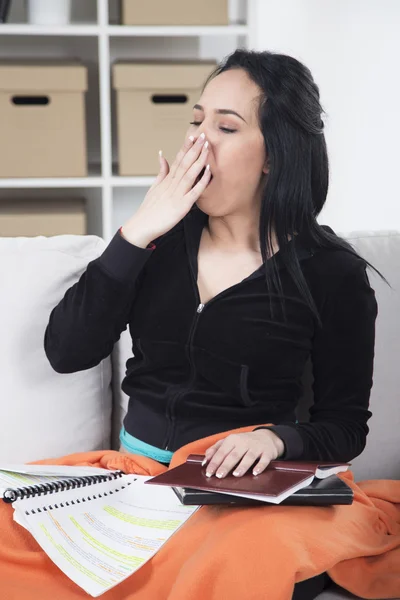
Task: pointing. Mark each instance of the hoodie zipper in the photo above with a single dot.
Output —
(170, 407)
(199, 310)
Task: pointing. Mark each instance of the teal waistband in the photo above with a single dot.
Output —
(136, 446)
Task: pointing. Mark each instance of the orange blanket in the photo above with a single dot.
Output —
(223, 552)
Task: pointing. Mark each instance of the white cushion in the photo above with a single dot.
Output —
(380, 459)
(42, 413)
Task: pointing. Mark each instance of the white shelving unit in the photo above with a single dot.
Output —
(111, 199)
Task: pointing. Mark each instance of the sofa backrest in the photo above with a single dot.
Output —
(44, 414)
(381, 457)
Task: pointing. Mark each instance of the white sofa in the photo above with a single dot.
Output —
(45, 414)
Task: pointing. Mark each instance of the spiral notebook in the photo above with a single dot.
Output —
(97, 526)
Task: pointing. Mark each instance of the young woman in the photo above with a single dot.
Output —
(229, 286)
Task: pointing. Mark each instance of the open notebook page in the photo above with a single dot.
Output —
(274, 499)
(324, 472)
(99, 543)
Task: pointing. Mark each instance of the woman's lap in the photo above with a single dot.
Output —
(252, 552)
(26, 572)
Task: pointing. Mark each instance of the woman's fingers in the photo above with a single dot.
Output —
(262, 463)
(187, 145)
(189, 178)
(187, 161)
(195, 193)
(248, 461)
(224, 463)
(228, 454)
(209, 453)
(239, 452)
(163, 172)
(190, 161)
(164, 206)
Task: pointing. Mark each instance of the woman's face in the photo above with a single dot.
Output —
(236, 146)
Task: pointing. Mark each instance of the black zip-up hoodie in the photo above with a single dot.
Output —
(202, 369)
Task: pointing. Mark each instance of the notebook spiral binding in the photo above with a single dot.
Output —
(11, 495)
(40, 509)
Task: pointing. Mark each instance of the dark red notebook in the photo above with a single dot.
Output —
(279, 481)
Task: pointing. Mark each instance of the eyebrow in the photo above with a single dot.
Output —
(222, 111)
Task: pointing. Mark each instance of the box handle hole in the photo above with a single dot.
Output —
(30, 100)
(169, 98)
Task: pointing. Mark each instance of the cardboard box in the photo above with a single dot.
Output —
(154, 108)
(175, 12)
(42, 119)
(29, 217)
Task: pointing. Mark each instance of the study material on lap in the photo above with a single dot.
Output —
(97, 525)
(290, 482)
(358, 554)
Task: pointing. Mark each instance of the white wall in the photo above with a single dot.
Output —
(352, 48)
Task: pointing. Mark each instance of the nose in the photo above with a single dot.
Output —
(206, 129)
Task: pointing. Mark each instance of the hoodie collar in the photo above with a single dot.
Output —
(194, 223)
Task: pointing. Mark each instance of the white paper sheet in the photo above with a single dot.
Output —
(101, 542)
(54, 470)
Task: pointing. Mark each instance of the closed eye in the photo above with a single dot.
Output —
(224, 129)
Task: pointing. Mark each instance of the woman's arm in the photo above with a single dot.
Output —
(90, 318)
(342, 357)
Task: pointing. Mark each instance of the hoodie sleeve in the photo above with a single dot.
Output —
(93, 313)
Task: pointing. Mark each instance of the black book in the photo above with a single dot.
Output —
(4, 10)
(321, 492)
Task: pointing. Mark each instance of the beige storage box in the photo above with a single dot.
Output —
(42, 119)
(154, 109)
(175, 12)
(31, 217)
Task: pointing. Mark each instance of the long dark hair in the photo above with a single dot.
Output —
(290, 119)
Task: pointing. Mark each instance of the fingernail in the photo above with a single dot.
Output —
(220, 474)
(160, 153)
(208, 167)
(204, 462)
(236, 473)
(202, 136)
(206, 145)
(208, 474)
(256, 472)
